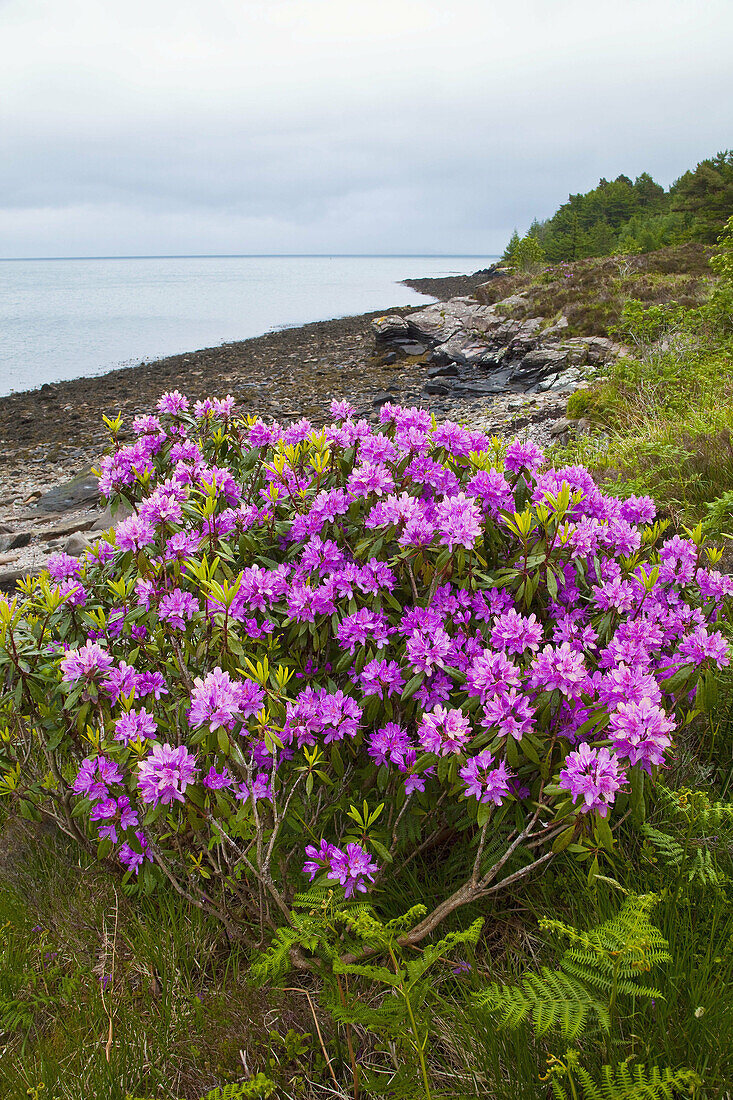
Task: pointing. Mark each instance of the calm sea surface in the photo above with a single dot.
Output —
(63, 319)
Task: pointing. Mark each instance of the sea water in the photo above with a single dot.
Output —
(71, 318)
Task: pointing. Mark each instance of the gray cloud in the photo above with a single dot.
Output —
(332, 125)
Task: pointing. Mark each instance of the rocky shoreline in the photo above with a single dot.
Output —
(461, 358)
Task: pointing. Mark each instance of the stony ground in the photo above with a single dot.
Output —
(49, 435)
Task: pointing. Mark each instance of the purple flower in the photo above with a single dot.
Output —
(86, 662)
(593, 776)
(516, 633)
(173, 403)
(63, 567)
(560, 668)
(134, 860)
(484, 782)
(177, 607)
(136, 724)
(523, 456)
(151, 683)
(511, 713)
(389, 744)
(491, 674)
(95, 775)
(444, 731)
(134, 533)
(217, 781)
(342, 410)
(459, 521)
(363, 627)
(165, 774)
(640, 732)
(381, 676)
(351, 868)
(701, 645)
(428, 649)
(217, 700)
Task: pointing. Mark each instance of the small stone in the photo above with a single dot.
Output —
(445, 370)
(15, 541)
(560, 427)
(437, 388)
(380, 399)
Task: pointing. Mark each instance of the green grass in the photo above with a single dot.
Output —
(662, 425)
(182, 1010)
(75, 954)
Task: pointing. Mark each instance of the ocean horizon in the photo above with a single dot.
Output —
(75, 317)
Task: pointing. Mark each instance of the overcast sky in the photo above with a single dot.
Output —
(402, 126)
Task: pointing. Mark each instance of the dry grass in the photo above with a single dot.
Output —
(591, 293)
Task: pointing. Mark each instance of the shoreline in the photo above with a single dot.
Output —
(54, 434)
(307, 365)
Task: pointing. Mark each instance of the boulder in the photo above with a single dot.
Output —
(10, 578)
(410, 347)
(561, 427)
(514, 301)
(548, 356)
(15, 541)
(106, 520)
(61, 530)
(76, 545)
(389, 328)
(81, 491)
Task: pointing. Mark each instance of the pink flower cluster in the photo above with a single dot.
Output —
(353, 561)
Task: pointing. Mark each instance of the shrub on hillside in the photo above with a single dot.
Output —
(311, 654)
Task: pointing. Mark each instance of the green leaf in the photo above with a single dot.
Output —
(412, 686)
(337, 762)
(604, 836)
(561, 842)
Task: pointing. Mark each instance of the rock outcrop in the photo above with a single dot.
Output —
(476, 350)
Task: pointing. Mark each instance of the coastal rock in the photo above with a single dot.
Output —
(76, 545)
(444, 370)
(79, 492)
(548, 356)
(561, 427)
(390, 328)
(10, 577)
(15, 541)
(471, 341)
(106, 520)
(410, 347)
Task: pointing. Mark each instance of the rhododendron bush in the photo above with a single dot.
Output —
(313, 654)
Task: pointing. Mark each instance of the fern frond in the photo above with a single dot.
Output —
(694, 806)
(615, 956)
(697, 864)
(551, 999)
(274, 962)
(625, 1082)
(259, 1088)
